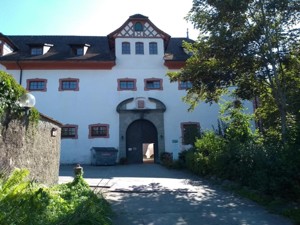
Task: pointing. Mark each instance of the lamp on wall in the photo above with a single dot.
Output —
(27, 101)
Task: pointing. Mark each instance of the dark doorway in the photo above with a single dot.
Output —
(141, 136)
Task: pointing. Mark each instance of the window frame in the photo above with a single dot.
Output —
(146, 81)
(29, 81)
(126, 48)
(187, 84)
(127, 80)
(98, 125)
(139, 48)
(62, 80)
(73, 126)
(182, 126)
(153, 50)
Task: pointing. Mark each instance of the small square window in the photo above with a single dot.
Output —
(69, 84)
(126, 84)
(69, 131)
(153, 84)
(36, 51)
(79, 51)
(99, 131)
(36, 85)
(183, 85)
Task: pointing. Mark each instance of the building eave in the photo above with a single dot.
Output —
(54, 65)
(174, 64)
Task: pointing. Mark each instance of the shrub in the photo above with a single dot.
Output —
(25, 202)
(166, 159)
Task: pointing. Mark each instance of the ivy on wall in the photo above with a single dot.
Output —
(10, 92)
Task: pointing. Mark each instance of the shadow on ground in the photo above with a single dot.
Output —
(149, 194)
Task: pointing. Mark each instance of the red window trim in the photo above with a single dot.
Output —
(98, 125)
(71, 126)
(127, 79)
(28, 81)
(60, 88)
(153, 89)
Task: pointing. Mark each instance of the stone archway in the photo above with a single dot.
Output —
(134, 109)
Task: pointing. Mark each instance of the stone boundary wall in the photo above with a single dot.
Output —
(35, 147)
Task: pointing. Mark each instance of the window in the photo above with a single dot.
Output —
(36, 51)
(139, 48)
(99, 131)
(125, 48)
(183, 85)
(126, 84)
(36, 85)
(190, 131)
(153, 84)
(138, 26)
(153, 48)
(68, 84)
(69, 131)
(78, 51)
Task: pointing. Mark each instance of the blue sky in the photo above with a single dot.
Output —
(90, 17)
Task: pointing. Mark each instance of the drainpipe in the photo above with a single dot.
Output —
(21, 72)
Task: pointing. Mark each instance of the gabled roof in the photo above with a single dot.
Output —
(126, 30)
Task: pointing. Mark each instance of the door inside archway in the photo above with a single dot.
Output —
(141, 142)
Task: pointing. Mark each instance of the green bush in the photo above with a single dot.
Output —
(25, 202)
(166, 159)
(239, 154)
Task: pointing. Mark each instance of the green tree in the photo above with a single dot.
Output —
(248, 44)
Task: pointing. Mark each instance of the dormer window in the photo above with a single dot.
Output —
(79, 49)
(36, 51)
(138, 26)
(39, 49)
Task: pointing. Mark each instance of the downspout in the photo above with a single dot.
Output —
(21, 73)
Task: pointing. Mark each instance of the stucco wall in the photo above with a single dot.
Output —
(31, 147)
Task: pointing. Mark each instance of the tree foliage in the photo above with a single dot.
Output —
(250, 44)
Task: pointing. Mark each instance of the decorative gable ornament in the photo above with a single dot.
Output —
(138, 26)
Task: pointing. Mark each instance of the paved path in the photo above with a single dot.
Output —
(149, 194)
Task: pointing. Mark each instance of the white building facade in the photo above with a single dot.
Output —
(109, 91)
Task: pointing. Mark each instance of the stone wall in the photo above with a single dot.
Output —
(33, 147)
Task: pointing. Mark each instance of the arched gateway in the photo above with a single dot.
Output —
(141, 129)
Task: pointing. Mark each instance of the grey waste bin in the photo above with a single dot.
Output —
(104, 156)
